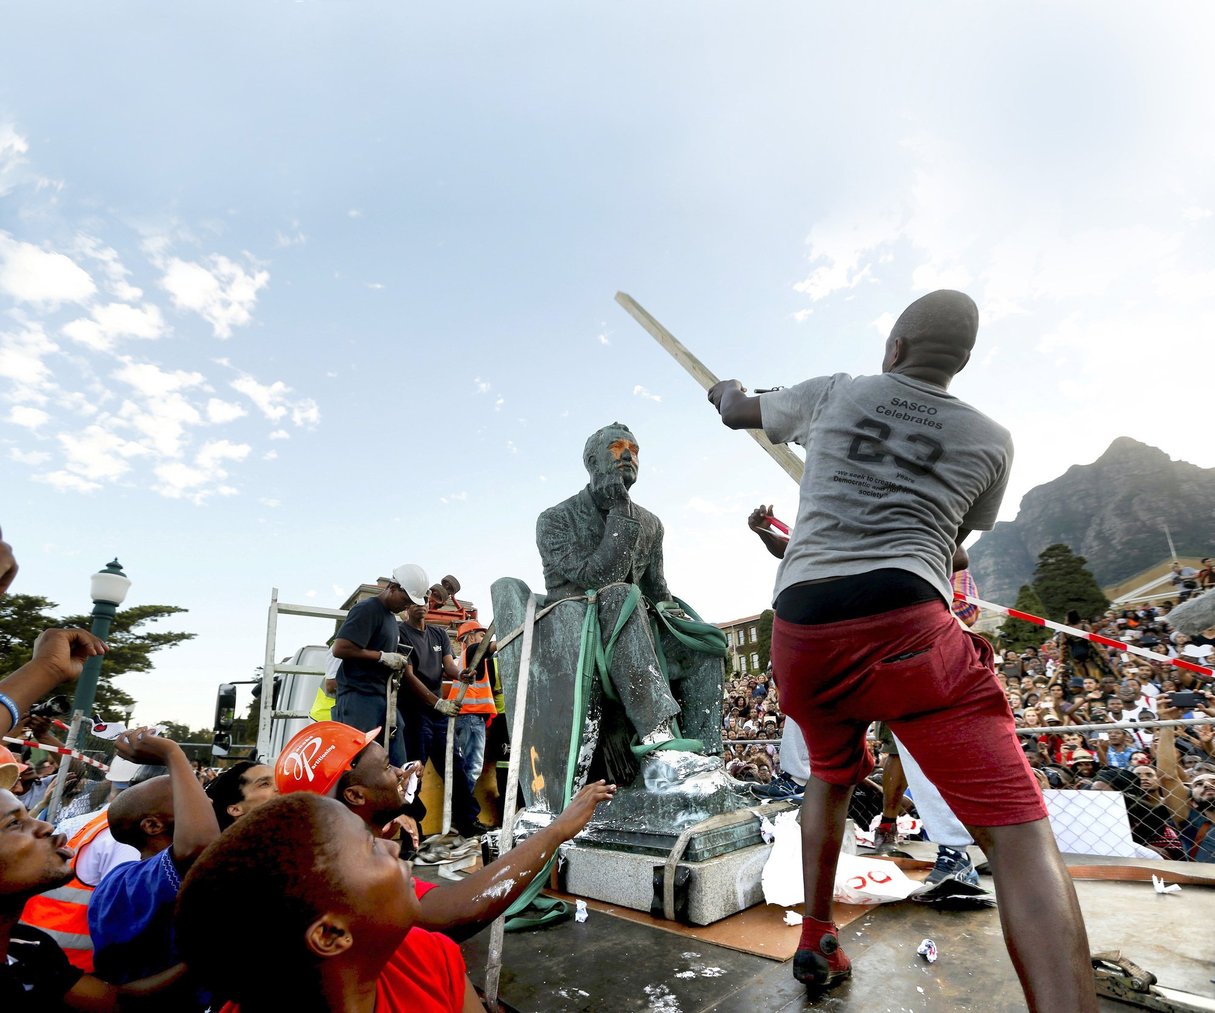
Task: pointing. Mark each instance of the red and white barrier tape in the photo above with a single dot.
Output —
(1096, 638)
(59, 750)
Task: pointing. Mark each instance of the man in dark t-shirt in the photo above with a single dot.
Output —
(426, 713)
(367, 646)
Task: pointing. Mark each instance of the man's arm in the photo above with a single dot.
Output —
(59, 656)
(1166, 763)
(737, 410)
(92, 995)
(487, 893)
(194, 823)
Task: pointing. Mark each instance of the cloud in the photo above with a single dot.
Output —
(221, 291)
(280, 434)
(294, 236)
(844, 252)
(205, 477)
(30, 274)
(96, 455)
(499, 401)
(603, 337)
(642, 392)
(22, 359)
(113, 273)
(274, 403)
(220, 412)
(103, 416)
(31, 418)
(30, 457)
(115, 320)
(271, 503)
(354, 213)
(482, 386)
(511, 448)
(454, 497)
(13, 149)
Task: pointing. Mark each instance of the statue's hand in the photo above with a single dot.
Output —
(615, 493)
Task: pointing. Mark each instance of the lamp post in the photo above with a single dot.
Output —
(108, 588)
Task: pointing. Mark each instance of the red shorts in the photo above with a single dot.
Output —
(943, 702)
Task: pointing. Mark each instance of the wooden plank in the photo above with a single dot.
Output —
(781, 454)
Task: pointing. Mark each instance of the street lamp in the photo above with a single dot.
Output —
(108, 588)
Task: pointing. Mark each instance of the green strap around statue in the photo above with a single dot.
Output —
(530, 910)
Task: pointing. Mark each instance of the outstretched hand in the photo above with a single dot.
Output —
(578, 813)
(64, 651)
(143, 745)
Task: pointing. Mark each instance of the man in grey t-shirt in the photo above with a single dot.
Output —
(898, 473)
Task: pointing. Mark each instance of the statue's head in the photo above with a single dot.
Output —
(610, 451)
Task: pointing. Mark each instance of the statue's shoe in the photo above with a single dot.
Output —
(667, 770)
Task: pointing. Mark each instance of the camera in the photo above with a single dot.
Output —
(54, 707)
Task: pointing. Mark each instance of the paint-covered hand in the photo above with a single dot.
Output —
(582, 807)
(64, 652)
(143, 745)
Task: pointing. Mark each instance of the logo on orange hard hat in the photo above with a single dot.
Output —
(317, 757)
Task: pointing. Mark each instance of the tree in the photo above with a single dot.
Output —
(24, 616)
(764, 638)
(1017, 634)
(1064, 582)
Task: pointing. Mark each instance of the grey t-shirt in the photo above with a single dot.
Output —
(894, 467)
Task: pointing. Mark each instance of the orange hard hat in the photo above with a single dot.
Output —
(318, 755)
(468, 627)
(10, 768)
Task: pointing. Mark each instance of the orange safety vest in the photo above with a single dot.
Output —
(62, 913)
(480, 696)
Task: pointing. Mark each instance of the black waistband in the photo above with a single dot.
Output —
(853, 597)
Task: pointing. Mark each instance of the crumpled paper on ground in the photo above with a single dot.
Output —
(1160, 886)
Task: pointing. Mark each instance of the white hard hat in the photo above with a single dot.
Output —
(413, 581)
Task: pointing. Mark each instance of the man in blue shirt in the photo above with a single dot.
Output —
(170, 821)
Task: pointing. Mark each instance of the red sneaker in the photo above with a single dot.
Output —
(823, 966)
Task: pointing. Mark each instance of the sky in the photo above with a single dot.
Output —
(294, 292)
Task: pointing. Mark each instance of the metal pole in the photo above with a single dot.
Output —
(86, 694)
(52, 810)
(493, 969)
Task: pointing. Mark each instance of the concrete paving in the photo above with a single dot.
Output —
(607, 963)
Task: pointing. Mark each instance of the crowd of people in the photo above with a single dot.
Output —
(121, 905)
(1063, 682)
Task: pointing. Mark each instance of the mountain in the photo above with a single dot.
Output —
(1113, 512)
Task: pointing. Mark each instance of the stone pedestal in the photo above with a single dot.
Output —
(707, 891)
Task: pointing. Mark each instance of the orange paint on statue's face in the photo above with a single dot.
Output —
(618, 447)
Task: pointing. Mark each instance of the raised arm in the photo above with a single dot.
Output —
(194, 823)
(59, 656)
(1175, 795)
